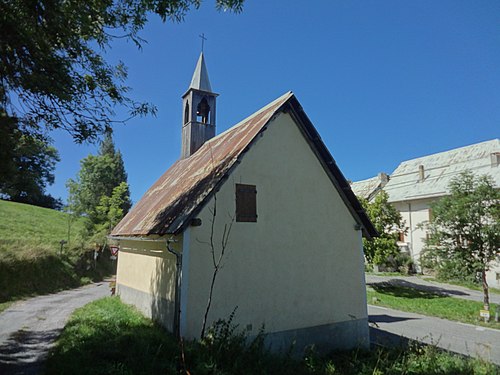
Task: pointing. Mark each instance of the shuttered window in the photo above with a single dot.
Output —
(246, 203)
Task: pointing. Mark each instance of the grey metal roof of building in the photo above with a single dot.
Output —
(439, 169)
(368, 188)
(200, 79)
(184, 189)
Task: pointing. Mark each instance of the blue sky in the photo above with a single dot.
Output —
(382, 81)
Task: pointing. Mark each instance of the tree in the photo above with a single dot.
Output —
(388, 223)
(465, 229)
(109, 212)
(217, 256)
(27, 167)
(100, 191)
(52, 70)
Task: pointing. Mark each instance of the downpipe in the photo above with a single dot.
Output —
(178, 278)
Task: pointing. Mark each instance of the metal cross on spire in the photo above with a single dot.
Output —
(202, 36)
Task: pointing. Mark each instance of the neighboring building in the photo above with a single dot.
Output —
(369, 188)
(416, 183)
(294, 261)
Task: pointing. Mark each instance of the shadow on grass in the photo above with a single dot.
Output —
(48, 273)
(120, 348)
(426, 289)
(405, 291)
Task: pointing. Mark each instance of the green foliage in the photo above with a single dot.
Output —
(27, 164)
(109, 212)
(30, 252)
(388, 223)
(108, 337)
(403, 262)
(427, 303)
(100, 192)
(52, 70)
(465, 230)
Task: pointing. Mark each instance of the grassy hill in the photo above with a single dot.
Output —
(30, 259)
(26, 227)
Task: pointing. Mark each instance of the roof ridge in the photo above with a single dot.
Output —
(365, 180)
(453, 150)
(248, 118)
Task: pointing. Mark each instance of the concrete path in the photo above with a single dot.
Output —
(436, 287)
(28, 329)
(389, 327)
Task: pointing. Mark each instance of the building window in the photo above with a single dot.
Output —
(246, 203)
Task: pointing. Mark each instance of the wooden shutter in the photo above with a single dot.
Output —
(246, 203)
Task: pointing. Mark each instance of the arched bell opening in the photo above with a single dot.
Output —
(203, 111)
(186, 113)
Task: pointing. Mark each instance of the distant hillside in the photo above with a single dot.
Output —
(30, 259)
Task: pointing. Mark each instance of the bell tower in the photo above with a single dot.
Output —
(199, 103)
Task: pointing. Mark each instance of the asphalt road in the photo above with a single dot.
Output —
(389, 327)
(431, 286)
(28, 329)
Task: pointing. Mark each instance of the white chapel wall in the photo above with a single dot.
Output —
(300, 265)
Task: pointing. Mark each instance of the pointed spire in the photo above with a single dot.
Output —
(200, 79)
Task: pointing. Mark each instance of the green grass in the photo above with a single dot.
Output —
(23, 224)
(5, 305)
(428, 303)
(465, 284)
(108, 337)
(386, 273)
(30, 258)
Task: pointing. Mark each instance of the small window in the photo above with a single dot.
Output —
(246, 203)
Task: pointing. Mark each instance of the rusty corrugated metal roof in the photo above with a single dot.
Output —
(168, 206)
(173, 198)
